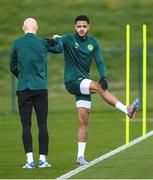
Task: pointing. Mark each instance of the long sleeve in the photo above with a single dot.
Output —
(99, 60)
(13, 62)
(54, 45)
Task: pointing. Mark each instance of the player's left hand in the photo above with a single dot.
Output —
(103, 82)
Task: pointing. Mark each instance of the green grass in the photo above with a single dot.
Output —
(133, 163)
(108, 19)
(106, 126)
(106, 132)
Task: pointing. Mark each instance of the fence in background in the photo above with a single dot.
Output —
(114, 60)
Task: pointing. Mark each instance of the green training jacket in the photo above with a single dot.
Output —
(29, 61)
(78, 55)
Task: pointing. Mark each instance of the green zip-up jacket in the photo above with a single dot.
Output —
(29, 61)
(78, 55)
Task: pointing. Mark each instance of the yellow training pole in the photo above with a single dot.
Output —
(144, 27)
(127, 77)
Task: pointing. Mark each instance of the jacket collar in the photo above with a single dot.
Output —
(30, 34)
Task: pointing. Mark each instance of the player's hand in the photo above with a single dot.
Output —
(56, 35)
(50, 40)
(103, 82)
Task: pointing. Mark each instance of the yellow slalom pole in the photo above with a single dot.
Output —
(127, 78)
(144, 27)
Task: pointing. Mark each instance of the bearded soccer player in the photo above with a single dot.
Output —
(79, 51)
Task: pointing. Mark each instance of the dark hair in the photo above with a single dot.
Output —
(82, 18)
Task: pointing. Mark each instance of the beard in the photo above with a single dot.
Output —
(82, 36)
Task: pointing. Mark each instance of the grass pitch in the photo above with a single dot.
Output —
(106, 126)
(133, 163)
(106, 132)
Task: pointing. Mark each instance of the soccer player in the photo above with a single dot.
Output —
(79, 50)
(29, 65)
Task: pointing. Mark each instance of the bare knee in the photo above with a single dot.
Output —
(95, 87)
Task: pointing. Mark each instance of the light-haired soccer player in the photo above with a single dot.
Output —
(29, 65)
(79, 51)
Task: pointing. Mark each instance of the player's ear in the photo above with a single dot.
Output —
(88, 26)
(37, 28)
(23, 28)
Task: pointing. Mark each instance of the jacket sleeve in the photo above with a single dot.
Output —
(13, 62)
(99, 60)
(54, 45)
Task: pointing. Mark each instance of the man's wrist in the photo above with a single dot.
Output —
(103, 82)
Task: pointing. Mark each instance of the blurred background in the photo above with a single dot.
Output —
(108, 19)
(108, 22)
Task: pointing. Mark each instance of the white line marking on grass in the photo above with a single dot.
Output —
(139, 120)
(105, 156)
